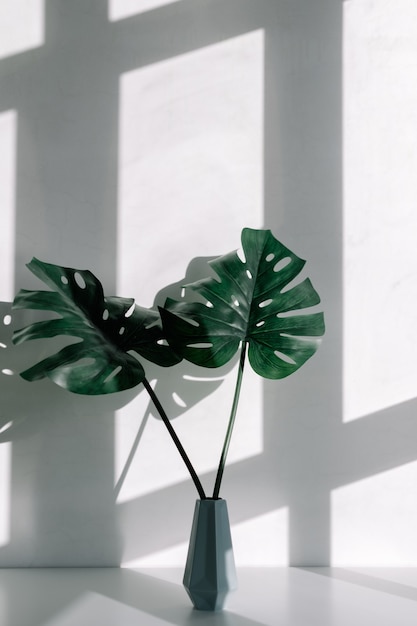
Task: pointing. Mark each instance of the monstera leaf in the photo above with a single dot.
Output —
(254, 300)
(107, 328)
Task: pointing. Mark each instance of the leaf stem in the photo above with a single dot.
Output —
(174, 436)
(229, 431)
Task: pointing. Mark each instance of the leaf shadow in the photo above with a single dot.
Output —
(22, 408)
(186, 384)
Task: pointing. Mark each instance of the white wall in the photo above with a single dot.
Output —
(135, 137)
(374, 515)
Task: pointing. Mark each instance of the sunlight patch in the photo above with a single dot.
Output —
(262, 541)
(190, 160)
(120, 9)
(373, 520)
(5, 478)
(8, 136)
(21, 26)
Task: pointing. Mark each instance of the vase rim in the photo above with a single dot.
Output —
(212, 499)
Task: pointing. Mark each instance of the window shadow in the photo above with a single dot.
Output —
(378, 579)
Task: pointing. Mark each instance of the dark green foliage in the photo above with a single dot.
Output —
(108, 330)
(259, 303)
(251, 301)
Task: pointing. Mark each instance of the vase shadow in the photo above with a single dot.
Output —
(166, 601)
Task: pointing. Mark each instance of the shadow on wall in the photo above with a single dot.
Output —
(66, 96)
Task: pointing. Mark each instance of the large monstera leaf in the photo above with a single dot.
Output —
(255, 300)
(107, 329)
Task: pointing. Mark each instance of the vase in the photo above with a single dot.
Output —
(210, 573)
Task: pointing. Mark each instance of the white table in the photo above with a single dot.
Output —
(266, 597)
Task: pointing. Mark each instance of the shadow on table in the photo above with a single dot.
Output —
(62, 596)
(377, 579)
(164, 600)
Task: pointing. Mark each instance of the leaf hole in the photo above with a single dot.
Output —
(284, 357)
(301, 338)
(7, 372)
(152, 324)
(106, 314)
(200, 345)
(241, 255)
(112, 374)
(270, 257)
(209, 305)
(85, 361)
(282, 263)
(193, 322)
(6, 426)
(178, 400)
(64, 280)
(7, 320)
(202, 379)
(130, 310)
(162, 342)
(2, 345)
(182, 292)
(249, 274)
(265, 303)
(261, 323)
(80, 280)
(293, 283)
(285, 314)
(122, 330)
(235, 301)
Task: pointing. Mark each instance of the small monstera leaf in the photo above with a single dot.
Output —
(108, 329)
(253, 301)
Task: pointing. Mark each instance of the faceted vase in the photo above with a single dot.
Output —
(210, 573)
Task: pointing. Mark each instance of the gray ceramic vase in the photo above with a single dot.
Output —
(210, 573)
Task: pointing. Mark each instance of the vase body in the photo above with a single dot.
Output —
(210, 573)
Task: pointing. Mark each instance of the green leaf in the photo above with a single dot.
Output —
(252, 300)
(108, 329)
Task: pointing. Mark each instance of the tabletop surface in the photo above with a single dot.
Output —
(155, 597)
